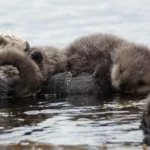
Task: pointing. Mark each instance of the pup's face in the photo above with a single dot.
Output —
(131, 69)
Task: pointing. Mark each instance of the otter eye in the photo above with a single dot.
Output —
(141, 82)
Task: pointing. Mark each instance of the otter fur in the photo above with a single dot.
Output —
(30, 78)
(8, 76)
(113, 61)
(122, 64)
(51, 60)
(63, 84)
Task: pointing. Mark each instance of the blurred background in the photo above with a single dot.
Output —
(57, 22)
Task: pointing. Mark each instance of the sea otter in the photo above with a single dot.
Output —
(51, 60)
(113, 61)
(30, 78)
(19, 75)
(123, 64)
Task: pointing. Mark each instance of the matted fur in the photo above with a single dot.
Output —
(54, 61)
(131, 68)
(112, 60)
(86, 52)
(8, 76)
(125, 64)
(30, 78)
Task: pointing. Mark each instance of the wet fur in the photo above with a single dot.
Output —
(121, 64)
(131, 68)
(50, 59)
(8, 76)
(113, 61)
(30, 78)
(63, 84)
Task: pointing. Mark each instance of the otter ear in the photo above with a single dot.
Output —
(36, 56)
(27, 47)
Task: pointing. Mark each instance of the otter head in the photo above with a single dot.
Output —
(36, 55)
(131, 69)
(8, 39)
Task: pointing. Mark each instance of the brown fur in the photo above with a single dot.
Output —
(30, 80)
(131, 68)
(85, 53)
(8, 77)
(112, 61)
(53, 60)
(125, 64)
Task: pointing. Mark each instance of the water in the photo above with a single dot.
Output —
(78, 119)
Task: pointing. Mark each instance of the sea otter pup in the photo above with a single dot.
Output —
(113, 61)
(30, 78)
(64, 84)
(51, 60)
(131, 68)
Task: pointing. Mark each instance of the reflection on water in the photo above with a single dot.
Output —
(105, 120)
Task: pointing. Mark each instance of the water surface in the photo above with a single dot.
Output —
(76, 120)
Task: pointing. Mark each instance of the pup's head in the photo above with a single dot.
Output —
(8, 39)
(50, 59)
(131, 69)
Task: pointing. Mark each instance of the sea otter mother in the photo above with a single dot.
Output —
(19, 75)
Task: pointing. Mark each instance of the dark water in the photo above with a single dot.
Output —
(78, 119)
(74, 120)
